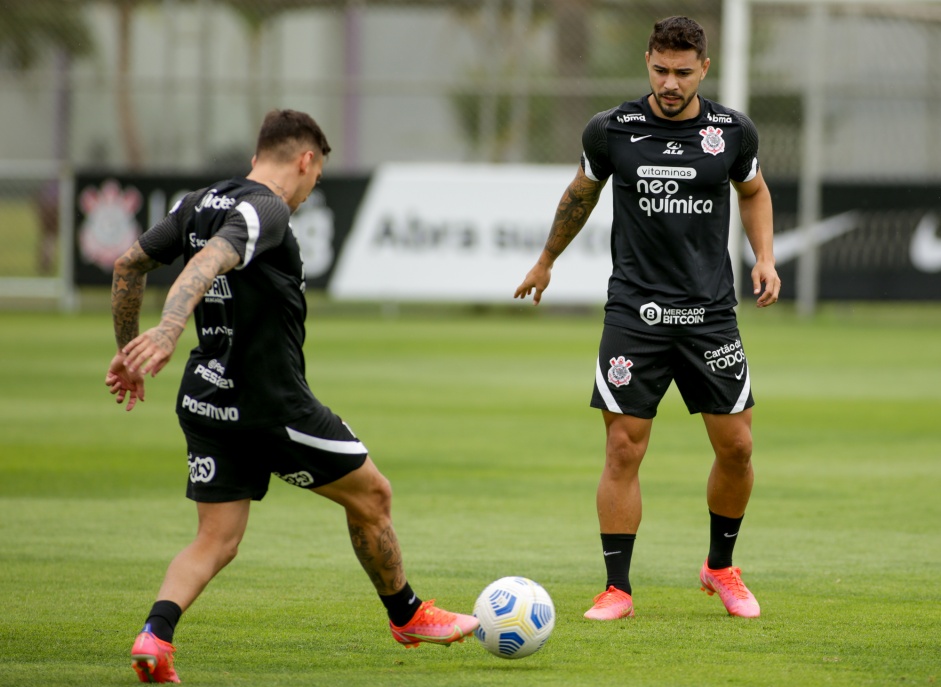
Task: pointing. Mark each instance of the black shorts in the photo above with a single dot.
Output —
(231, 464)
(634, 371)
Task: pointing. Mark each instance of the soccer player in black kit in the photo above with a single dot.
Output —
(244, 404)
(670, 310)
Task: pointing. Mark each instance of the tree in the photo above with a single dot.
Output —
(28, 29)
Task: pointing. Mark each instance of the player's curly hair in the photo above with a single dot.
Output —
(284, 132)
(678, 34)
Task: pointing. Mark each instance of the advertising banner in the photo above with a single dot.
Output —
(468, 233)
(877, 241)
(112, 210)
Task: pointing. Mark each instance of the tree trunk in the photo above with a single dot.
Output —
(127, 120)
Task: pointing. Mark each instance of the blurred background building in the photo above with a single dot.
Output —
(182, 84)
(842, 91)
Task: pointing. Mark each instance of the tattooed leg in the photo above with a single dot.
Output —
(377, 549)
(367, 497)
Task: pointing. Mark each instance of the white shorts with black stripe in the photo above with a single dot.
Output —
(635, 369)
(231, 464)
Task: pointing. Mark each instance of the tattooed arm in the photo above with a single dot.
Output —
(576, 205)
(127, 293)
(151, 351)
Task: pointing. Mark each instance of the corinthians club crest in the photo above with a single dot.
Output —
(110, 226)
(620, 373)
(712, 141)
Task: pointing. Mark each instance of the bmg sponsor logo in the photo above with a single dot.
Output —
(624, 119)
(202, 468)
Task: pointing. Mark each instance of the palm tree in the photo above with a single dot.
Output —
(127, 119)
(257, 14)
(29, 28)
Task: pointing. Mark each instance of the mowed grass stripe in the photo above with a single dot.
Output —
(481, 420)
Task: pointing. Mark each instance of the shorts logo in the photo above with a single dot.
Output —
(651, 313)
(620, 373)
(712, 141)
(725, 357)
(298, 479)
(202, 468)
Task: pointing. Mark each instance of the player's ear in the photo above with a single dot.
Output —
(307, 159)
(254, 160)
(705, 68)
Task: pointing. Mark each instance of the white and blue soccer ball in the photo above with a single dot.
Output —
(516, 617)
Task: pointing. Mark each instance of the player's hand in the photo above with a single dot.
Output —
(151, 351)
(536, 281)
(123, 383)
(763, 273)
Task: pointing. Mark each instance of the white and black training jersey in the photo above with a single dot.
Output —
(672, 273)
(248, 369)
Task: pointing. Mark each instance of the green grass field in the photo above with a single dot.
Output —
(482, 422)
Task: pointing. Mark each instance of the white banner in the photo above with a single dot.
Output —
(429, 232)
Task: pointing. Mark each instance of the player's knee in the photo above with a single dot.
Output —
(228, 552)
(374, 501)
(382, 494)
(736, 452)
(623, 453)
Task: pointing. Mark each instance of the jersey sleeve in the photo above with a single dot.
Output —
(257, 223)
(595, 160)
(745, 166)
(163, 241)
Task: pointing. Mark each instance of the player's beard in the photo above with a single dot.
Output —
(671, 110)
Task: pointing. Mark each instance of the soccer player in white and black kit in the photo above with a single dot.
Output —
(670, 310)
(244, 404)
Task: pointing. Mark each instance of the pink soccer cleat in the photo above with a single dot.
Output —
(727, 583)
(434, 625)
(152, 659)
(612, 604)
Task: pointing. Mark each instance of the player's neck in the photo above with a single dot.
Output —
(274, 180)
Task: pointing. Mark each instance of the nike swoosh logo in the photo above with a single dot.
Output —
(729, 536)
(739, 376)
(790, 244)
(610, 553)
(634, 139)
(925, 249)
(435, 639)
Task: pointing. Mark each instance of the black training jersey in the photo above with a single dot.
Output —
(248, 369)
(672, 273)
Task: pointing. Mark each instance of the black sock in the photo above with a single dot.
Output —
(723, 532)
(617, 549)
(401, 606)
(163, 619)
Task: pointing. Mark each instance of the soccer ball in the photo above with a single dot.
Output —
(516, 617)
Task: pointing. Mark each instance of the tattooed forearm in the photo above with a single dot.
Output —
(576, 205)
(127, 292)
(380, 556)
(218, 257)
